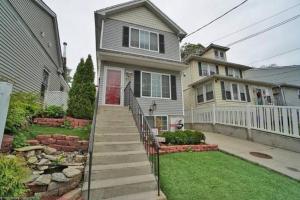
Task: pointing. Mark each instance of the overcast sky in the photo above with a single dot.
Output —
(76, 27)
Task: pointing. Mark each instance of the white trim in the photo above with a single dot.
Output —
(122, 85)
(101, 37)
(139, 29)
(141, 85)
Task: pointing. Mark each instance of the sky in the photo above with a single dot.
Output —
(76, 27)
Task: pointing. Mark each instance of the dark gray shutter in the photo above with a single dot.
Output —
(161, 43)
(241, 73)
(223, 90)
(217, 69)
(248, 94)
(137, 83)
(200, 68)
(125, 41)
(226, 71)
(173, 88)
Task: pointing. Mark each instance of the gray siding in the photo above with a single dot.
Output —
(39, 21)
(164, 106)
(112, 39)
(291, 96)
(22, 59)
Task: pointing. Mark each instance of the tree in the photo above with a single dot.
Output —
(82, 93)
(189, 49)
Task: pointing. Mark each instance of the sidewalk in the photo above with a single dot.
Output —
(283, 161)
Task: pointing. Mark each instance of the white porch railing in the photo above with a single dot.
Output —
(284, 120)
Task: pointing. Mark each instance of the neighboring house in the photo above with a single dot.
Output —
(211, 79)
(30, 52)
(136, 42)
(286, 79)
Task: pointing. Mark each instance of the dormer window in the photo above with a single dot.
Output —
(219, 54)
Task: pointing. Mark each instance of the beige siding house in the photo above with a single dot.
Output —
(211, 79)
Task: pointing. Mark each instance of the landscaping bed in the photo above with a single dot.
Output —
(216, 175)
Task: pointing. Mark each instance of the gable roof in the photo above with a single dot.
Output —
(105, 12)
(214, 46)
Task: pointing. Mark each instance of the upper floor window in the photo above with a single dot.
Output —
(206, 69)
(219, 54)
(143, 39)
(155, 85)
(233, 72)
(205, 92)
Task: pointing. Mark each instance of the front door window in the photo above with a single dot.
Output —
(113, 87)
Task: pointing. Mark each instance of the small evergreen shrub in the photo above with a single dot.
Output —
(52, 112)
(184, 137)
(12, 175)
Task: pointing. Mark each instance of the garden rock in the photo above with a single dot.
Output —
(42, 168)
(50, 157)
(71, 172)
(79, 167)
(43, 162)
(32, 160)
(59, 177)
(43, 180)
(50, 151)
(79, 158)
(37, 172)
(31, 178)
(30, 148)
(30, 154)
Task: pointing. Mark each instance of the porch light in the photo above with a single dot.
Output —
(154, 105)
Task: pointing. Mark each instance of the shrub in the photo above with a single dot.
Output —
(53, 112)
(82, 94)
(184, 137)
(20, 140)
(12, 175)
(22, 107)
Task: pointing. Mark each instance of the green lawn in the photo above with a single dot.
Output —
(215, 175)
(34, 130)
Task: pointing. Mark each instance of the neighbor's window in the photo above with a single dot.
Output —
(209, 91)
(134, 40)
(200, 96)
(155, 85)
(159, 122)
(227, 90)
(242, 92)
(235, 91)
(233, 72)
(143, 39)
(208, 69)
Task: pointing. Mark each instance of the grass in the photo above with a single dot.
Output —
(34, 130)
(215, 175)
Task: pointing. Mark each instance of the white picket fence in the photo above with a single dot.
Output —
(284, 120)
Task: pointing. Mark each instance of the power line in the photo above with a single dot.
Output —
(280, 54)
(263, 31)
(258, 22)
(216, 19)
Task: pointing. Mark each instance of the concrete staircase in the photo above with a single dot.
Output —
(120, 170)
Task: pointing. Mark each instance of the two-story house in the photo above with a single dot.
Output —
(211, 79)
(137, 43)
(30, 53)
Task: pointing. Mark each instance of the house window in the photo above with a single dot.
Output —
(155, 85)
(200, 97)
(242, 92)
(209, 91)
(216, 53)
(143, 39)
(219, 54)
(159, 122)
(208, 69)
(45, 81)
(212, 69)
(234, 72)
(235, 91)
(227, 91)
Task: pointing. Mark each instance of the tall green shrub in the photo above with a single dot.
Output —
(82, 93)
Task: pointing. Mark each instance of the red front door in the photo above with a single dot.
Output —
(113, 87)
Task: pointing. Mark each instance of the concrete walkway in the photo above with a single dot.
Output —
(283, 161)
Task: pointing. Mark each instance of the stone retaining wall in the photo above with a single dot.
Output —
(6, 145)
(75, 123)
(61, 142)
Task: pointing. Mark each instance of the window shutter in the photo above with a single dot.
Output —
(200, 68)
(161, 43)
(226, 71)
(125, 41)
(223, 90)
(137, 83)
(173, 88)
(248, 94)
(241, 73)
(217, 69)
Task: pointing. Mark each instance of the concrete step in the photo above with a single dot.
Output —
(117, 146)
(117, 137)
(119, 157)
(102, 172)
(110, 188)
(111, 122)
(151, 195)
(116, 129)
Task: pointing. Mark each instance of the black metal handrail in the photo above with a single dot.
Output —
(146, 135)
(91, 139)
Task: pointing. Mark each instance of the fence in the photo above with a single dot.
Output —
(283, 120)
(56, 98)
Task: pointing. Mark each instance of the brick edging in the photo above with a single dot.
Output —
(164, 149)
